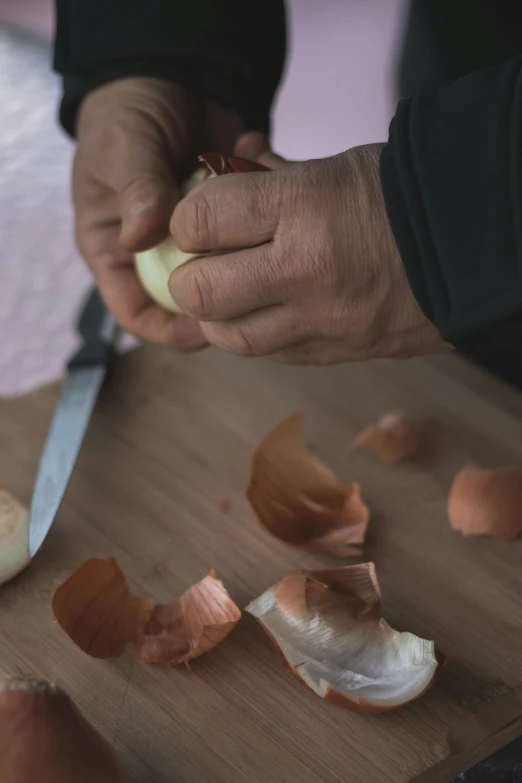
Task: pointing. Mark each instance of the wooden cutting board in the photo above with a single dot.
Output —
(172, 436)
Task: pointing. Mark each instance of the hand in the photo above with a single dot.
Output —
(135, 139)
(313, 274)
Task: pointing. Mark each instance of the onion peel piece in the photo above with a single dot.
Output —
(394, 437)
(189, 626)
(299, 500)
(14, 536)
(97, 610)
(218, 164)
(44, 738)
(328, 629)
(485, 501)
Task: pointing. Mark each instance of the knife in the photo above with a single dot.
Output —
(85, 373)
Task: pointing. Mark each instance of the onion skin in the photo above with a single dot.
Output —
(14, 536)
(300, 501)
(190, 626)
(97, 610)
(155, 266)
(328, 629)
(45, 739)
(487, 502)
(396, 437)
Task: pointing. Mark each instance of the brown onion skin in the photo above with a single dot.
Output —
(485, 501)
(229, 164)
(45, 739)
(396, 437)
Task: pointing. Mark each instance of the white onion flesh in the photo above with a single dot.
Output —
(347, 653)
(155, 266)
(14, 536)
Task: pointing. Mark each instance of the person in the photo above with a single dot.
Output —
(387, 250)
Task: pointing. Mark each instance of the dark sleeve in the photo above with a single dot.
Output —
(231, 51)
(451, 175)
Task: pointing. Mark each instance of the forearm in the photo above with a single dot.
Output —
(452, 181)
(232, 53)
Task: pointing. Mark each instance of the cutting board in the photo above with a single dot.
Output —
(171, 438)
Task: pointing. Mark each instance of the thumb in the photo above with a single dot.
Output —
(147, 193)
(256, 146)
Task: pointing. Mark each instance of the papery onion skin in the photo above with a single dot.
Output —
(86, 603)
(97, 610)
(155, 266)
(45, 739)
(485, 501)
(327, 625)
(14, 536)
(229, 164)
(201, 619)
(395, 437)
(300, 501)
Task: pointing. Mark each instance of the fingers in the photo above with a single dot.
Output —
(133, 136)
(256, 146)
(137, 180)
(317, 352)
(138, 315)
(113, 269)
(228, 213)
(147, 193)
(222, 287)
(262, 333)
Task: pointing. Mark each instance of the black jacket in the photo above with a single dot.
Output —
(451, 172)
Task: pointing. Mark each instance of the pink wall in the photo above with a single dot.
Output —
(338, 88)
(35, 16)
(337, 91)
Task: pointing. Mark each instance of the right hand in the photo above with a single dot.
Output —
(136, 138)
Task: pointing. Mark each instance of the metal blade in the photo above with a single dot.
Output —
(64, 441)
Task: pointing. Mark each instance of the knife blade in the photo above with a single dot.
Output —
(85, 374)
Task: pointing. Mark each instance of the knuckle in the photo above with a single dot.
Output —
(239, 342)
(266, 196)
(103, 141)
(136, 185)
(197, 296)
(196, 222)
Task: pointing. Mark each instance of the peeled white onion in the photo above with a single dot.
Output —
(14, 536)
(155, 266)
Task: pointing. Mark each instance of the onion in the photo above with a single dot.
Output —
(395, 437)
(45, 739)
(154, 266)
(190, 626)
(99, 613)
(328, 628)
(14, 536)
(487, 502)
(300, 501)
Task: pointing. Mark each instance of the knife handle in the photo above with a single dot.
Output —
(97, 328)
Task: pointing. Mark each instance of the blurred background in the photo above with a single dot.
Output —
(337, 94)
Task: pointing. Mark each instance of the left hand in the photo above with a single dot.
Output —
(312, 274)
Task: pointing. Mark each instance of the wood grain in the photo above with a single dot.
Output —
(173, 435)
